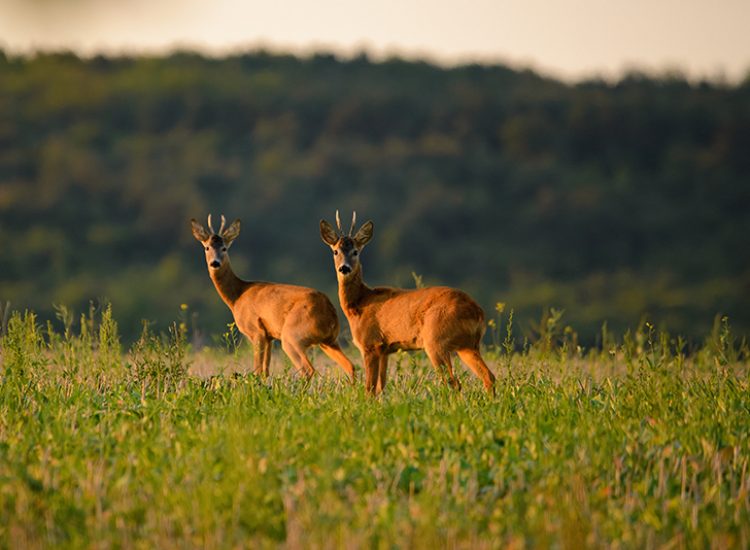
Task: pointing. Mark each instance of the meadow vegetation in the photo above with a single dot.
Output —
(633, 444)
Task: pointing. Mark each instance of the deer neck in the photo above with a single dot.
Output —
(228, 285)
(353, 292)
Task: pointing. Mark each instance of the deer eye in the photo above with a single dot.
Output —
(223, 248)
(335, 252)
(206, 248)
(355, 253)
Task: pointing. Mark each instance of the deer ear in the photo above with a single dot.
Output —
(199, 232)
(328, 233)
(364, 234)
(231, 233)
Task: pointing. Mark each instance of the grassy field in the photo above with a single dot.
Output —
(634, 445)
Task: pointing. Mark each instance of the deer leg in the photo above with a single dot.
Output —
(372, 368)
(474, 361)
(333, 351)
(266, 356)
(382, 369)
(297, 355)
(454, 382)
(443, 359)
(259, 346)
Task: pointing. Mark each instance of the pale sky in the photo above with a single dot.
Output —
(572, 39)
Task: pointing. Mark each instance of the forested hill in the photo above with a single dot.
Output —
(607, 200)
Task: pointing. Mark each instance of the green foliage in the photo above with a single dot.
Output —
(231, 339)
(509, 342)
(23, 345)
(606, 200)
(157, 362)
(638, 446)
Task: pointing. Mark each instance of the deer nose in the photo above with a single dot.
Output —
(345, 269)
(215, 263)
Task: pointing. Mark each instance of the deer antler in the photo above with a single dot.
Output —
(221, 229)
(338, 223)
(351, 228)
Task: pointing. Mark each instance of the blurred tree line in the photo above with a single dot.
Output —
(608, 200)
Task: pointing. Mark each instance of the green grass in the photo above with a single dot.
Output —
(633, 446)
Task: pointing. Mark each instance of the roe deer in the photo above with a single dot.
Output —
(300, 317)
(440, 320)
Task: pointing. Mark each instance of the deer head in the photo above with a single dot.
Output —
(346, 248)
(216, 244)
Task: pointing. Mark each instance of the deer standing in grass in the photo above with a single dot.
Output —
(439, 320)
(300, 317)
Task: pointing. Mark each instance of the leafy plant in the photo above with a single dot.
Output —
(642, 445)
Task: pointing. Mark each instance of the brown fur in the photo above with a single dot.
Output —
(439, 320)
(298, 316)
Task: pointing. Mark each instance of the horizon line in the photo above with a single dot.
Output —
(348, 54)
